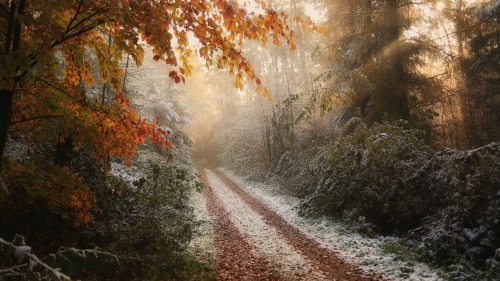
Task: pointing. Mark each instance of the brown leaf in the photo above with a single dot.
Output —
(171, 61)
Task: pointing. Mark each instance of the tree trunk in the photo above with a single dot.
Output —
(12, 44)
(5, 118)
(396, 100)
(64, 152)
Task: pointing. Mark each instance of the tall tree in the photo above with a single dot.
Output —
(482, 72)
(43, 39)
(373, 61)
(396, 99)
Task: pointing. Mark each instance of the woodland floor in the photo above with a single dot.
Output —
(252, 242)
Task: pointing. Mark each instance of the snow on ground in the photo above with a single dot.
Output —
(367, 253)
(262, 236)
(202, 243)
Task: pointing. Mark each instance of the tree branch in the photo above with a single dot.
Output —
(59, 275)
(16, 42)
(66, 37)
(3, 8)
(63, 91)
(34, 118)
(75, 16)
(97, 12)
(80, 32)
(10, 27)
(33, 258)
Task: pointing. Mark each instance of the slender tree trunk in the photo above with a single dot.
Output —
(396, 102)
(65, 152)
(126, 71)
(12, 44)
(155, 187)
(289, 91)
(5, 119)
(459, 27)
(463, 85)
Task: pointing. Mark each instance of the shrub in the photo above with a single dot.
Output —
(465, 226)
(45, 202)
(363, 175)
(140, 218)
(149, 220)
(386, 179)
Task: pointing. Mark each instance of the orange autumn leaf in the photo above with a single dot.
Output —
(69, 46)
(171, 61)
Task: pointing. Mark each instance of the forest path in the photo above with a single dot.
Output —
(252, 242)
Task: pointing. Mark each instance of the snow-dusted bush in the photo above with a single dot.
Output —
(141, 220)
(386, 179)
(362, 175)
(148, 219)
(295, 170)
(464, 232)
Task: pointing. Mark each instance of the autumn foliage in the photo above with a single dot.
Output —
(58, 188)
(63, 73)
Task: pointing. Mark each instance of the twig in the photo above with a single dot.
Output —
(34, 118)
(4, 187)
(11, 270)
(59, 275)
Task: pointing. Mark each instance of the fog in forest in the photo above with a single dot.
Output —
(332, 77)
(250, 140)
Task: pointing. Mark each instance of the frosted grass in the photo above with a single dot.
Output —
(367, 253)
(265, 238)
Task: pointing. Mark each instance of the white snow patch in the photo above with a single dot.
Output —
(202, 243)
(128, 174)
(367, 253)
(265, 238)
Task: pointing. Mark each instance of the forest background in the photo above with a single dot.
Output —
(97, 125)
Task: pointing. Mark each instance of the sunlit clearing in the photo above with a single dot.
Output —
(439, 6)
(431, 10)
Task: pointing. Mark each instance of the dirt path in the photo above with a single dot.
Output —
(234, 256)
(256, 230)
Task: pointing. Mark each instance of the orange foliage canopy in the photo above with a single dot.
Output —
(64, 42)
(57, 55)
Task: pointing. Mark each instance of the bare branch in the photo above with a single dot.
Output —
(10, 27)
(80, 22)
(79, 32)
(33, 258)
(75, 16)
(34, 118)
(63, 91)
(59, 275)
(16, 41)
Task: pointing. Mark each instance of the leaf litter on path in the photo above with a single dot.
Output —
(247, 230)
(369, 253)
(234, 257)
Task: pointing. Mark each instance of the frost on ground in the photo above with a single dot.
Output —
(367, 253)
(262, 236)
(202, 243)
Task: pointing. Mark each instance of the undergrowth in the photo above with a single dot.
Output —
(386, 180)
(140, 227)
